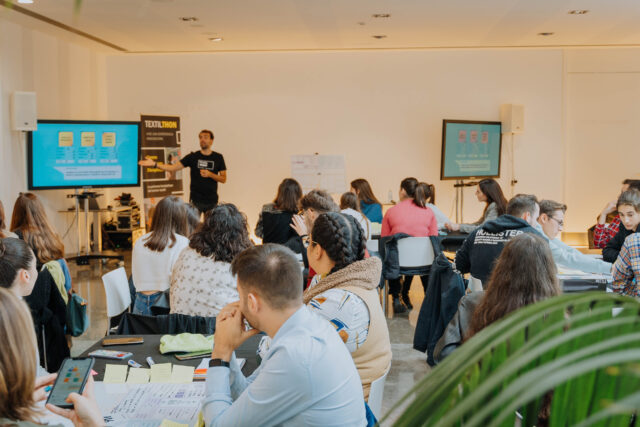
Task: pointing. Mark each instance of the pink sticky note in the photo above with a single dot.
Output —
(93, 373)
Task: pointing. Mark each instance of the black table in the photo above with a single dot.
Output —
(452, 241)
(151, 347)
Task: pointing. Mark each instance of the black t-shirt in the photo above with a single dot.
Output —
(204, 190)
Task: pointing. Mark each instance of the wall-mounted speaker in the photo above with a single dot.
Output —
(24, 114)
(512, 117)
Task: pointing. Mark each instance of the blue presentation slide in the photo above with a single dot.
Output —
(84, 154)
(471, 150)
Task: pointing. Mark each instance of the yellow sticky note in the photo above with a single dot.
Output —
(182, 374)
(65, 139)
(87, 139)
(115, 374)
(138, 376)
(109, 139)
(169, 423)
(161, 373)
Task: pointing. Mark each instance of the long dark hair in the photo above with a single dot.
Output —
(341, 237)
(169, 219)
(30, 219)
(364, 191)
(514, 283)
(15, 255)
(491, 189)
(223, 234)
(289, 195)
(421, 192)
(192, 215)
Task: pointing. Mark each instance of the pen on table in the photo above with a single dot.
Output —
(134, 364)
(150, 361)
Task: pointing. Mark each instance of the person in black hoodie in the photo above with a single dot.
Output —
(484, 245)
(628, 207)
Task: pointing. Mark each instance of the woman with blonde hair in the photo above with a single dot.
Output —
(19, 387)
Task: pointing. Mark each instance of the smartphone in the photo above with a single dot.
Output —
(72, 377)
(122, 341)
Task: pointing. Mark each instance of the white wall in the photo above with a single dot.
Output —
(603, 128)
(382, 110)
(70, 84)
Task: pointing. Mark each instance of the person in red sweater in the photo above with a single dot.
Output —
(410, 216)
(604, 231)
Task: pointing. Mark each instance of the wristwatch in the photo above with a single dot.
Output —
(218, 362)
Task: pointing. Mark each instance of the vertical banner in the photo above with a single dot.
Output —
(161, 142)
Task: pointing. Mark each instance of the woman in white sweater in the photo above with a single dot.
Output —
(201, 282)
(155, 253)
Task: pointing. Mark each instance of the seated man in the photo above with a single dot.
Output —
(307, 376)
(605, 230)
(484, 245)
(550, 223)
(626, 269)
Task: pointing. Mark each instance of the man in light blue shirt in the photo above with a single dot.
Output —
(307, 377)
(550, 224)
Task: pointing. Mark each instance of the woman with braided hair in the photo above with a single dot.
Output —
(344, 292)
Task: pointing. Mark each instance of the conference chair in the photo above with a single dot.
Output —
(475, 285)
(415, 256)
(376, 393)
(116, 288)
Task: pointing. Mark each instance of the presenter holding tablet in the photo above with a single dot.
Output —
(207, 170)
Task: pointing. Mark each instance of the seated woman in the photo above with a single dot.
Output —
(410, 216)
(346, 292)
(441, 218)
(193, 218)
(20, 388)
(201, 281)
(155, 253)
(369, 203)
(350, 205)
(513, 284)
(274, 223)
(490, 193)
(629, 210)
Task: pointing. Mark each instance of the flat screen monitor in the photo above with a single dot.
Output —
(470, 149)
(76, 154)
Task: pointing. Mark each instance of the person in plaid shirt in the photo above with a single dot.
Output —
(605, 231)
(626, 270)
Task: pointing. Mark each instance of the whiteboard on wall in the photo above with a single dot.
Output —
(319, 171)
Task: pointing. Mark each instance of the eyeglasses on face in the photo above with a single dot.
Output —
(560, 222)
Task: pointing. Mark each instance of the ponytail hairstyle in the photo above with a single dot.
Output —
(491, 189)
(341, 237)
(421, 192)
(30, 219)
(15, 255)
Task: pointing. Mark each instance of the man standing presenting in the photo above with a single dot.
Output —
(207, 170)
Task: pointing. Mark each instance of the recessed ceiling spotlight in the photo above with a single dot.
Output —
(379, 36)
(188, 18)
(578, 12)
(362, 23)
(25, 1)
(545, 34)
(381, 15)
(215, 39)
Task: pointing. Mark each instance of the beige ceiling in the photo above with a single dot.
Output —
(257, 25)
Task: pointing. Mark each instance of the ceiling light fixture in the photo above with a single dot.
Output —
(578, 12)
(362, 23)
(381, 15)
(545, 34)
(25, 1)
(188, 18)
(379, 36)
(215, 39)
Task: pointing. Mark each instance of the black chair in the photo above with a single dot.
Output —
(137, 324)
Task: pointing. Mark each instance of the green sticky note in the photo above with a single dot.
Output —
(182, 374)
(138, 376)
(161, 373)
(115, 374)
